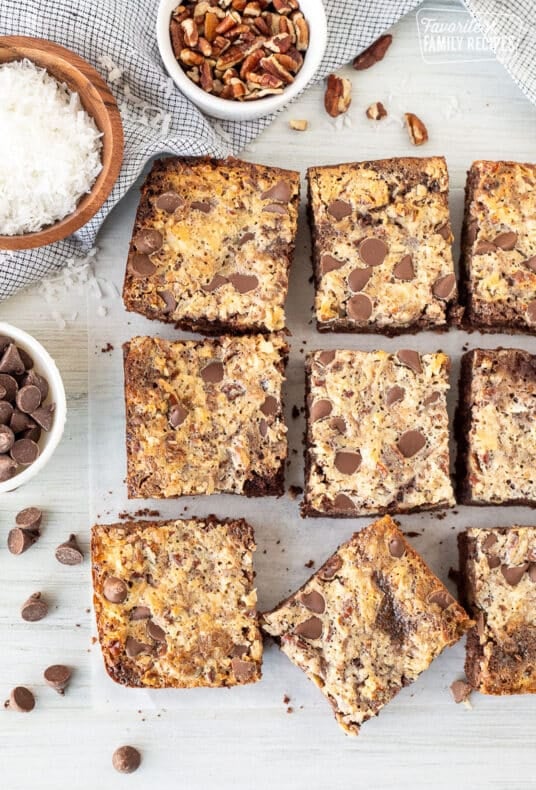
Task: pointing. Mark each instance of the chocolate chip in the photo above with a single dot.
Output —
(34, 609)
(216, 282)
(10, 362)
(460, 691)
(201, 205)
(33, 433)
(263, 428)
(404, 270)
(471, 232)
(372, 251)
(329, 569)
(442, 598)
(280, 191)
(21, 700)
(243, 671)
(239, 650)
(397, 547)
(328, 264)
(339, 209)
(444, 287)
(133, 647)
(170, 303)
(347, 462)
(532, 572)
(484, 247)
(433, 397)
(310, 629)
(155, 632)
(338, 424)
(5, 341)
(444, 231)
(69, 553)
(410, 443)
(33, 378)
(249, 236)
(7, 439)
(28, 398)
(148, 241)
(489, 542)
(493, 562)
(358, 278)
(243, 283)
(326, 357)
(411, 359)
(359, 307)
(343, 502)
(320, 408)
(531, 312)
(57, 677)
(114, 589)
(140, 613)
(313, 601)
(10, 385)
(26, 358)
(514, 574)
(275, 208)
(168, 202)
(20, 421)
(506, 241)
(20, 540)
(177, 414)
(530, 263)
(394, 394)
(141, 265)
(126, 759)
(3, 393)
(6, 412)
(24, 452)
(213, 373)
(270, 406)
(8, 467)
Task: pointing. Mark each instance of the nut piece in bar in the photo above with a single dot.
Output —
(498, 253)
(495, 428)
(498, 586)
(382, 253)
(175, 602)
(377, 438)
(367, 623)
(204, 417)
(212, 245)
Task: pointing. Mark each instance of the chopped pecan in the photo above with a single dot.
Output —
(299, 125)
(225, 25)
(206, 78)
(191, 58)
(285, 6)
(376, 111)
(302, 30)
(373, 54)
(418, 133)
(177, 39)
(251, 62)
(280, 43)
(261, 26)
(252, 9)
(204, 47)
(273, 66)
(189, 30)
(211, 23)
(337, 97)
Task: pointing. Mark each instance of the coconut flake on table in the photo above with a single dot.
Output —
(51, 149)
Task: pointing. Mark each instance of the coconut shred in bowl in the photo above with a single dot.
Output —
(51, 149)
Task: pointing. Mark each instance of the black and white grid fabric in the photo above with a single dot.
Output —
(118, 38)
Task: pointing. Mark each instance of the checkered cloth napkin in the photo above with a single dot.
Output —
(118, 38)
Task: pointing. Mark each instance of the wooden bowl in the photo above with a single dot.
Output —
(98, 102)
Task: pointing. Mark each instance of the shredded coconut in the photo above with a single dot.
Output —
(50, 152)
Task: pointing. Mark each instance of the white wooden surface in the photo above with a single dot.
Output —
(244, 738)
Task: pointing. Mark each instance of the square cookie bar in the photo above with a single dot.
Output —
(498, 586)
(212, 245)
(205, 417)
(382, 246)
(498, 260)
(496, 428)
(367, 623)
(175, 602)
(377, 438)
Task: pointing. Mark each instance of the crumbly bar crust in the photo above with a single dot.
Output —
(498, 586)
(377, 438)
(175, 603)
(367, 623)
(205, 417)
(212, 244)
(496, 428)
(382, 245)
(498, 260)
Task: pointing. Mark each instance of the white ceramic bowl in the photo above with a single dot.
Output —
(230, 110)
(46, 367)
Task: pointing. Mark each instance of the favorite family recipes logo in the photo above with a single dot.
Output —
(448, 35)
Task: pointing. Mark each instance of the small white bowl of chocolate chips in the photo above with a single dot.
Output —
(33, 407)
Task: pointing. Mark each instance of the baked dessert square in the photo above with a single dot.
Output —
(212, 245)
(382, 246)
(205, 417)
(377, 438)
(496, 428)
(498, 586)
(367, 623)
(498, 254)
(175, 602)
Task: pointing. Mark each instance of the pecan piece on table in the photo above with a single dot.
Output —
(338, 95)
(418, 133)
(373, 54)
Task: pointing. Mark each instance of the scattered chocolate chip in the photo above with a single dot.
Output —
(148, 241)
(177, 414)
(460, 690)
(372, 251)
(34, 609)
(69, 553)
(133, 647)
(7, 439)
(280, 191)
(25, 452)
(126, 759)
(358, 278)
(140, 613)
(213, 373)
(326, 357)
(10, 362)
(201, 205)
(514, 574)
(329, 569)
(397, 547)
(155, 632)
(432, 398)
(320, 409)
(444, 287)
(20, 540)
(506, 241)
(29, 518)
(359, 307)
(484, 247)
(243, 670)
(57, 677)
(404, 270)
(339, 209)
(21, 700)
(168, 202)
(410, 443)
(442, 598)
(411, 359)
(170, 303)
(8, 467)
(347, 462)
(10, 385)
(394, 394)
(329, 264)
(216, 282)
(313, 601)
(343, 502)
(310, 629)
(243, 283)
(444, 231)
(44, 415)
(28, 398)
(114, 589)
(270, 406)
(141, 265)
